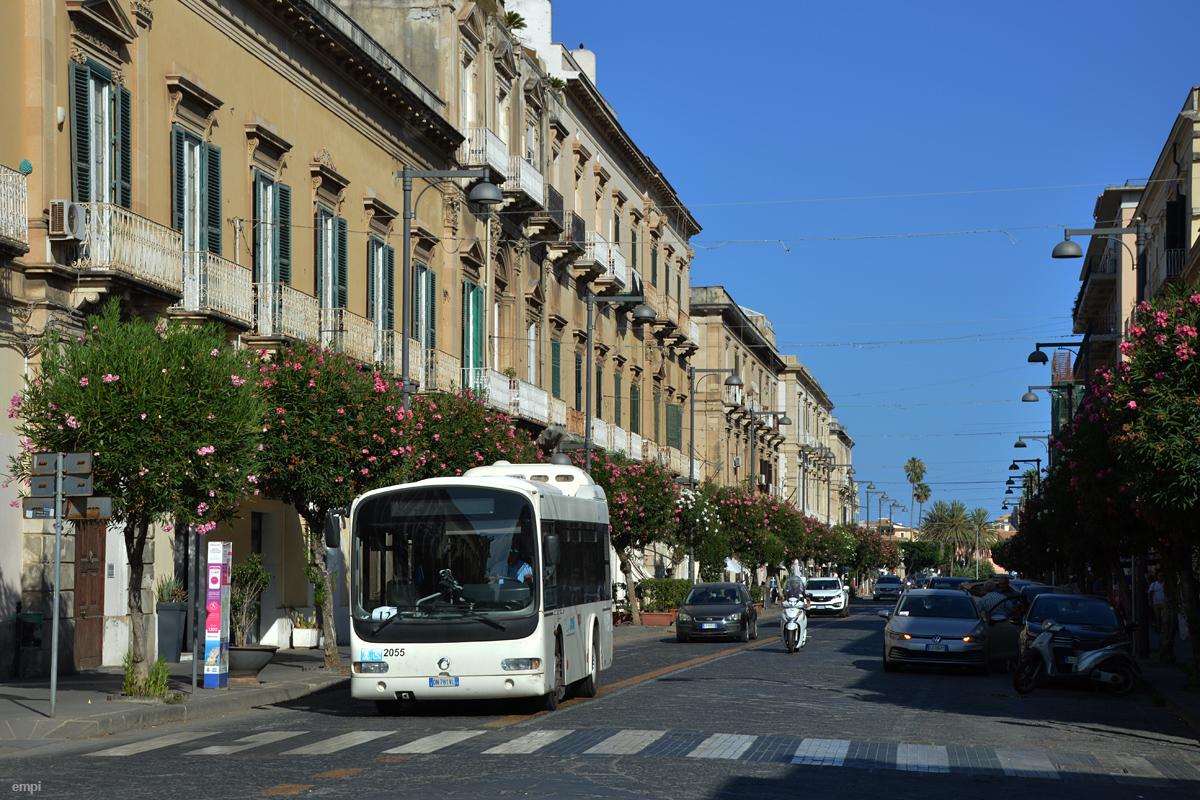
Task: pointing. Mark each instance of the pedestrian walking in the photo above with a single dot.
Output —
(1164, 619)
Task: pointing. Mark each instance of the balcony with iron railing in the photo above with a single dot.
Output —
(438, 371)
(547, 222)
(570, 244)
(213, 285)
(482, 148)
(595, 260)
(120, 241)
(1174, 260)
(346, 332)
(524, 188)
(283, 311)
(14, 213)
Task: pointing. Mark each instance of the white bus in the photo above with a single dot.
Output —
(492, 585)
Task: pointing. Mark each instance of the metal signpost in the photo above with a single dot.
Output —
(61, 487)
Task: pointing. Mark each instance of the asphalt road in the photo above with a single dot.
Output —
(699, 720)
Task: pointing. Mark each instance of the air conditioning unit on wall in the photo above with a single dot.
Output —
(737, 461)
(68, 221)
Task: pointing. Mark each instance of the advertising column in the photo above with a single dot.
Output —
(216, 625)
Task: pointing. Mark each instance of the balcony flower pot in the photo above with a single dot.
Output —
(246, 662)
(172, 619)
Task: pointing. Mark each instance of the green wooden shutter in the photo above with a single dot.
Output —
(81, 136)
(431, 296)
(123, 152)
(617, 400)
(633, 246)
(657, 418)
(578, 382)
(256, 227)
(674, 426)
(341, 259)
(212, 197)
(599, 392)
(679, 288)
(389, 288)
(319, 265)
(556, 369)
(178, 180)
(373, 276)
(283, 234)
(654, 265)
(477, 325)
(635, 412)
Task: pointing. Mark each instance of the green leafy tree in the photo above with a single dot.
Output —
(921, 493)
(919, 555)
(914, 472)
(946, 523)
(172, 418)
(980, 521)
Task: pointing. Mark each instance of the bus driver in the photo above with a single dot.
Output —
(514, 568)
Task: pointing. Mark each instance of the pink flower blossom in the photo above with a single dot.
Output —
(83, 381)
(1133, 403)
(111, 378)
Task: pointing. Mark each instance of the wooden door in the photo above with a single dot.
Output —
(89, 593)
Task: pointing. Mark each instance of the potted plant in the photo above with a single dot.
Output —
(171, 607)
(661, 599)
(306, 631)
(247, 582)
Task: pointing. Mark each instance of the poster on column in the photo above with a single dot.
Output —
(216, 619)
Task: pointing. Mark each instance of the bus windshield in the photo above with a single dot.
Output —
(443, 552)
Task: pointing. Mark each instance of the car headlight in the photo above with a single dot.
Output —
(734, 618)
(683, 617)
(894, 635)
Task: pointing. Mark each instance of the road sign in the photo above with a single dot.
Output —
(38, 507)
(89, 508)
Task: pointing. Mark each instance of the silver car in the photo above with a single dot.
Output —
(935, 627)
(829, 596)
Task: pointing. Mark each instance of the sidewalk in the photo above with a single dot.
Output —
(85, 706)
(89, 703)
(1168, 681)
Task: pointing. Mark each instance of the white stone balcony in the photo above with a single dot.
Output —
(524, 183)
(618, 439)
(600, 433)
(284, 311)
(213, 285)
(596, 260)
(635, 446)
(482, 148)
(533, 402)
(14, 212)
(558, 411)
(121, 241)
(495, 388)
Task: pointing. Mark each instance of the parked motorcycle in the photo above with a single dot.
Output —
(795, 623)
(1111, 666)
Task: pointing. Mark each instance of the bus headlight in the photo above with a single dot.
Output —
(521, 663)
(370, 667)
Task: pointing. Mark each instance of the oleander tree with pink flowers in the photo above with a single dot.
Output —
(171, 417)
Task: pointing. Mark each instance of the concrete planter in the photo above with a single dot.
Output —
(246, 662)
(660, 618)
(305, 638)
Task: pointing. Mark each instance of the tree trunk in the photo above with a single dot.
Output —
(317, 552)
(635, 612)
(136, 531)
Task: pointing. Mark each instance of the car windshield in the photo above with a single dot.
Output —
(712, 596)
(946, 607)
(1073, 611)
(822, 584)
(888, 579)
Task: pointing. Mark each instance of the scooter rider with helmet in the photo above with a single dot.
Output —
(794, 588)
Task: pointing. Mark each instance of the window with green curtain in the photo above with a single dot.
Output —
(556, 369)
(617, 399)
(579, 381)
(635, 410)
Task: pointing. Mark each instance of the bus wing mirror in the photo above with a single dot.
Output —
(550, 549)
(333, 528)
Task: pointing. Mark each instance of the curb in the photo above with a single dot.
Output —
(151, 716)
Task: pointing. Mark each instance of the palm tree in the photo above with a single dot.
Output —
(921, 494)
(914, 470)
(947, 524)
(981, 523)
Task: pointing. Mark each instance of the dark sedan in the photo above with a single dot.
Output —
(888, 587)
(947, 582)
(1088, 622)
(716, 610)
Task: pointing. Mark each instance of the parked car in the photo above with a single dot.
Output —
(829, 596)
(947, 582)
(887, 587)
(935, 627)
(714, 610)
(1089, 621)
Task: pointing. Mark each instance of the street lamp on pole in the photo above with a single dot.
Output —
(870, 487)
(485, 193)
(642, 313)
(1045, 440)
(784, 419)
(732, 380)
(879, 513)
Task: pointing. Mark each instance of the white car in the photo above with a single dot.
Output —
(829, 596)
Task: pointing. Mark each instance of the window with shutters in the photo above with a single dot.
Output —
(472, 335)
(556, 369)
(531, 353)
(101, 136)
(674, 426)
(579, 381)
(654, 265)
(469, 86)
(617, 399)
(330, 258)
(272, 244)
(635, 411)
(633, 246)
(381, 284)
(195, 191)
(599, 392)
(657, 418)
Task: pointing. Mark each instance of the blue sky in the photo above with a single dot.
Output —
(825, 124)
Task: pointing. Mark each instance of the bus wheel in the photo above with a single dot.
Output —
(587, 686)
(551, 698)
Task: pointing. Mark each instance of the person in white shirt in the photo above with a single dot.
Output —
(1164, 618)
(514, 568)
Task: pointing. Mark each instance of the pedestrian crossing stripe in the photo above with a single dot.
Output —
(812, 752)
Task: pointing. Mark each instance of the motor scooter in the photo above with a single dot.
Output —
(1111, 665)
(795, 623)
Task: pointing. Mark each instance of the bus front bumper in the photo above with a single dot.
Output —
(478, 687)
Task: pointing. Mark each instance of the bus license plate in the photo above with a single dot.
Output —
(936, 648)
(442, 682)
(708, 625)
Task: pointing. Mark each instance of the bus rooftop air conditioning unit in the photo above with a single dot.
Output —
(68, 221)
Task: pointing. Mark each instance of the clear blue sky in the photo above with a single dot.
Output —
(806, 122)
